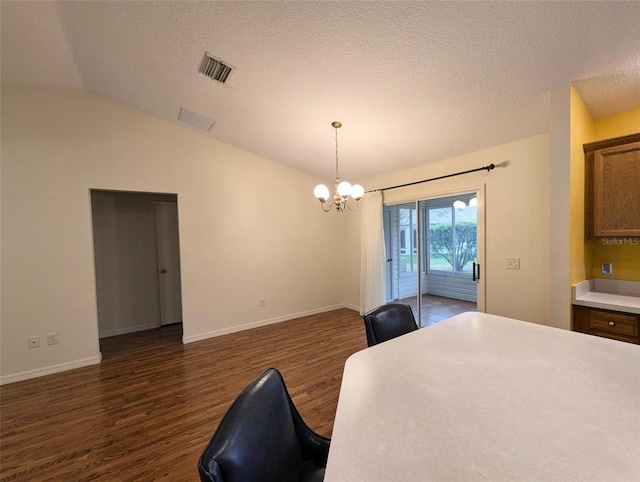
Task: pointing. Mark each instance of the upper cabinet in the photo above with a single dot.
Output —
(612, 187)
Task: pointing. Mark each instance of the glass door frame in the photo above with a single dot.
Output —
(480, 283)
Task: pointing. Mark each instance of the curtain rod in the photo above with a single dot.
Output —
(488, 168)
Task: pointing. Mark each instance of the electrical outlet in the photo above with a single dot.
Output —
(52, 339)
(34, 341)
(607, 268)
(513, 263)
(263, 302)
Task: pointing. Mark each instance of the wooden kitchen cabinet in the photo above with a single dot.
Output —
(612, 187)
(609, 324)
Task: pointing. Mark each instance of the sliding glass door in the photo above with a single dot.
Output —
(450, 246)
(432, 252)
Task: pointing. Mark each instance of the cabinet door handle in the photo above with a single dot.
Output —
(611, 323)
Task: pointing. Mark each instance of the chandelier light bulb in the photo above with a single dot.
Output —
(321, 192)
(459, 204)
(344, 189)
(357, 191)
(473, 201)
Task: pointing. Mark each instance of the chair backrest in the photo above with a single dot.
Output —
(388, 321)
(256, 439)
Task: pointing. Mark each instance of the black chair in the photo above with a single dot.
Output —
(388, 321)
(263, 438)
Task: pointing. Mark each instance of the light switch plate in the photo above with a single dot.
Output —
(513, 263)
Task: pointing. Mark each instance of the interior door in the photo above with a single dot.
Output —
(168, 249)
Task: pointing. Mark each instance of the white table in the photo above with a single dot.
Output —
(482, 397)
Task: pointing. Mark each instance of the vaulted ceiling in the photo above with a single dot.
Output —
(412, 82)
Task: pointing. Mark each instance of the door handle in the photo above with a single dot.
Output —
(476, 277)
(389, 260)
(163, 271)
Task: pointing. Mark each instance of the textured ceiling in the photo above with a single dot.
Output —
(412, 83)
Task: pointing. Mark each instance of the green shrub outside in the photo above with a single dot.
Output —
(463, 248)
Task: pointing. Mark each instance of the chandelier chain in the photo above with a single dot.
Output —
(337, 177)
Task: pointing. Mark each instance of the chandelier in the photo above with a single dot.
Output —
(343, 191)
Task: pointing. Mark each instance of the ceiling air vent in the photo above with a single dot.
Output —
(196, 120)
(214, 68)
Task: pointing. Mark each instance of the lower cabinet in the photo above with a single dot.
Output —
(609, 324)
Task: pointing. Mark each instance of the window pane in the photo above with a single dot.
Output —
(466, 238)
(441, 239)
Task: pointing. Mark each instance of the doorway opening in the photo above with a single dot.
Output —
(137, 266)
(433, 256)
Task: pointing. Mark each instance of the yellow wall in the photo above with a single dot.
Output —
(622, 124)
(582, 132)
(625, 256)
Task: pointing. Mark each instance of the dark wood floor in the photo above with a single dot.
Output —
(148, 410)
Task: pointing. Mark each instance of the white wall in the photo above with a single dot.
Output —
(560, 221)
(249, 228)
(516, 217)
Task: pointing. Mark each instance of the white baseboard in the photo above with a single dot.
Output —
(352, 307)
(40, 372)
(128, 329)
(256, 324)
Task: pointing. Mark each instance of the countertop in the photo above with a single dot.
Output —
(606, 294)
(485, 398)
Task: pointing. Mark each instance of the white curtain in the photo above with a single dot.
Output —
(372, 258)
